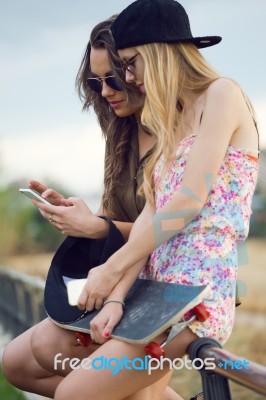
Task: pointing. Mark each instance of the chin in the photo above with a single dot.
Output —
(123, 113)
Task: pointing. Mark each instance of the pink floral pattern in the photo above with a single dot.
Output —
(206, 250)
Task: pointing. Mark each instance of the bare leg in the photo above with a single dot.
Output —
(41, 341)
(49, 340)
(170, 394)
(155, 391)
(28, 361)
(22, 370)
(125, 384)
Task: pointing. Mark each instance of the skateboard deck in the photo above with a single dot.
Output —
(151, 308)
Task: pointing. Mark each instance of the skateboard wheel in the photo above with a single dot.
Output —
(83, 339)
(202, 313)
(154, 350)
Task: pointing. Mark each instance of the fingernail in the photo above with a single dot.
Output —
(106, 334)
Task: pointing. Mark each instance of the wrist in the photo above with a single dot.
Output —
(119, 262)
(117, 301)
(99, 228)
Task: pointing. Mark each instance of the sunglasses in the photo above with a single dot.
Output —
(96, 84)
(129, 65)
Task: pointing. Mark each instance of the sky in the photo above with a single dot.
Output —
(43, 132)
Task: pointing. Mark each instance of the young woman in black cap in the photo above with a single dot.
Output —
(198, 183)
(28, 361)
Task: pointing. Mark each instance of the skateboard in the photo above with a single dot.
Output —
(151, 308)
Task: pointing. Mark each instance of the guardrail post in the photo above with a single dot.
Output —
(215, 386)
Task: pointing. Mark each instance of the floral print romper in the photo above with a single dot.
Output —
(206, 250)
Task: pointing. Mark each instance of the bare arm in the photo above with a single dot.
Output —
(104, 323)
(124, 227)
(222, 117)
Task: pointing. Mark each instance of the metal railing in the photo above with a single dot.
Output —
(228, 366)
(21, 300)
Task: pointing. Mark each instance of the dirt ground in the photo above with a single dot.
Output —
(248, 339)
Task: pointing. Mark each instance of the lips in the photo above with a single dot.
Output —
(115, 104)
(141, 87)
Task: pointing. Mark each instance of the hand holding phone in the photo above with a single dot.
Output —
(32, 194)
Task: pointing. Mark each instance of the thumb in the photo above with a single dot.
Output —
(67, 202)
(108, 329)
(111, 324)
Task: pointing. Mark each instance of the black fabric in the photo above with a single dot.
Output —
(74, 258)
(155, 21)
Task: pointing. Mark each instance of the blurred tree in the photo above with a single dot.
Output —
(258, 218)
(22, 228)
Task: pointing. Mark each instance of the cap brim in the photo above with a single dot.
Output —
(74, 258)
(199, 42)
(206, 41)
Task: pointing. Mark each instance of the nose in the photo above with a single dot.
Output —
(130, 77)
(107, 90)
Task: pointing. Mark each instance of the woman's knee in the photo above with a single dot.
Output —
(42, 338)
(16, 357)
(10, 365)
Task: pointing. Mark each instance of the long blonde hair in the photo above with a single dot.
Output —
(170, 69)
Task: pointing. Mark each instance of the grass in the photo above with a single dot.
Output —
(8, 392)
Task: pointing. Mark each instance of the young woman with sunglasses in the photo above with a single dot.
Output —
(28, 361)
(198, 183)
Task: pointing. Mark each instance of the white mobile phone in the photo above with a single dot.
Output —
(74, 289)
(33, 195)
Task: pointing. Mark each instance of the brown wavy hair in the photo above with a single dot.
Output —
(116, 131)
